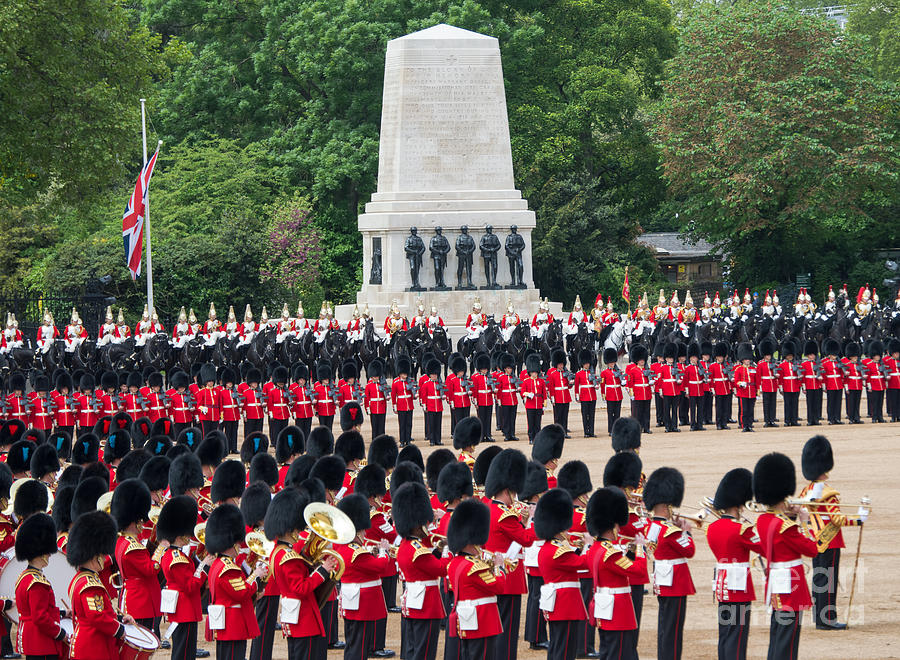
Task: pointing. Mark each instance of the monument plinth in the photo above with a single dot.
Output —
(445, 163)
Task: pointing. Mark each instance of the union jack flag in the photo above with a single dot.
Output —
(133, 219)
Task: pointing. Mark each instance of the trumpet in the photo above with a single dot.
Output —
(697, 516)
(753, 505)
(259, 545)
(706, 504)
(206, 505)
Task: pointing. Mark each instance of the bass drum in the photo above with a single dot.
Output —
(58, 573)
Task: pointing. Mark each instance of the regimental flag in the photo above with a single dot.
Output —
(626, 291)
(133, 219)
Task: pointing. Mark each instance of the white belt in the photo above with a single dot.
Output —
(363, 585)
(423, 583)
(477, 601)
(670, 562)
(736, 564)
(612, 590)
(785, 564)
(564, 585)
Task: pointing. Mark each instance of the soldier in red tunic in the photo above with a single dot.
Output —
(721, 384)
(611, 387)
(180, 409)
(483, 394)
(325, 395)
(731, 541)
(506, 393)
(227, 403)
(288, 447)
(586, 392)
(276, 395)
(39, 416)
(475, 583)
(833, 373)
(457, 393)
(302, 405)
(640, 387)
(767, 381)
(39, 634)
(670, 387)
(375, 396)
(402, 401)
(534, 392)
(252, 402)
(184, 582)
(784, 544)
(560, 565)
(558, 389)
(744, 382)
(812, 382)
(673, 546)
(694, 387)
(16, 407)
(853, 380)
(876, 382)
(790, 381)
(231, 618)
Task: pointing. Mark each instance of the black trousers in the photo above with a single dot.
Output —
(637, 601)
(236, 650)
(252, 426)
(833, 404)
(734, 627)
(327, 421)
(360, 639)
(768, 405)
(561, 415)
(302, 423)
(670, 628)
(178, 427)
(875, 399)
(586, 634)
(613, 412)
(683, 412)
(723, 410)
(695, 404)
(208, 425)
(328, 611)
(563, 636)
(276, 426)
(616, 645)
(813, 406)
(404, 419)
(708, 407)
(506, 644)
(826, 566)
(484, 414)
(433, 426)
(389, 589)
(588, 412)
(184, 641)
(535, 624)
(784, 635)
(508, 421)
(376, 421)
(422, 638)
(533, 415)
(745, 411)
(893, 404)
(457, 414)
(791, 408)
(477, 649)
(452, 645)
(660, 409)
(42, 657)
(307, 648)
(230, 430)
(266, 616)
(853, 398)
(640, 410)
(86, 429)
(670, 412)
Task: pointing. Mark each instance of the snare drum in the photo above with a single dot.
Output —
(138, 643)
(68, 627)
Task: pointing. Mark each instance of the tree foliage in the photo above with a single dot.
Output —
(294, 248)
(777, 142)
(879, 22)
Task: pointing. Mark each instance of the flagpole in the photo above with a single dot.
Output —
(147, 211)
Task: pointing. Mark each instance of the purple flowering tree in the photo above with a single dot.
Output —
(295, 248)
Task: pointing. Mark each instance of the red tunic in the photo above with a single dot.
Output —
(226, 402)
(39, 417)
(875, 380)
(853, 377)
(811, 380)
(276, 403)
(39, 632)
(788, 377)
(155, 405)
(229, 587)
(559, 565)
(295, 580)
(668, 380)
(638, 383)
(731, 541)
(302, 406)
(673, 548)
(721, 385)
(613, 573)
(533, 393)
(558, 386)
(324, 402)
(374, 399)
(893, 377)
(208, 400)
(834, 374)
(181, 576)
(65, 410)
(401, 396)
(481, 390)
(744, 381)
(693, 381)
(456, 394)
(96, 625)
(784, 545)
(430, 396)
(506, 529)
(766, 377)
(179, 410)
(15, 408)
(421, 571)
(475, 587)
(611, 384)
(505, 390)
(347, 392)
(584, 389)
(362, 598)
(140, 596)
(251, 402)
(636, 525)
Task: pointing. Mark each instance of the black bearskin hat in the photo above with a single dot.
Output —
(350, 446)
(207, 373)
(735, 489)
(405, 472)
(370, 481)
(320, 442)
(212, 450)
(323, 371)
(575, 477)
(6, 480)
(285, 513)
(548, 444)
(610, 356)
(228, 481)
(607, 508)
(330, 470)
(44, 461)
(97, 469)
(351, 415)
(19, 457)
(41, 383)
(130, 503)
(411, 509)
(11, 431)
(433, 466)
(383, 451)
(404, 366)
(585, 357)
(506, 361)
(121, 421)
(118, 443)
(357, 509)
(163, 426)
(876, 348)
(623, 470)
(348, 371)
(290, 443)
(185, 473)
(299, 372)
(693, 350)
(744, 351)
(483, 464)
(86, 449)
(299, 470)
(533, 364)
(102, 426)
(179, 380)
(788, 348)
(62, 508)
(130, 466)
(467, 433)
(454, 482)
(155, 473)
(722, 349)
(177, 518)
(810, 348)
(141, 430)
(61, 441)
(831, 347)
(774, 479)
(255, 443)
(535, 481)
(626, 434)
(108, 381)
(553, 513)
(665, 485)
(224, 528)
(433, 368)
(35, 537)
(254, 375)
(470, 524)
(158, 445)
(37, 436)
(86, 495)
(64, 381)
(375, 370)
(671, 350)
(817, 458)
(557, 357)
(264, 468)
(706, 348)
(852, 349)
(155, 379)
(255, 502)
(767, 346)
(134, 379)
(70, 476)
(31, 497)
(458, 364)
(92, 535)
(482, 361)
(191, 436)
(412, 454)
(507, 471)
(638, 353)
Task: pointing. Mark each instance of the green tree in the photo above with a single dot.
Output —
(293, 250)
(777, 143)
(879, 21)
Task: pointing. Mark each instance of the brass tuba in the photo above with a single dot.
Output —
(327, 524)
(259, 545)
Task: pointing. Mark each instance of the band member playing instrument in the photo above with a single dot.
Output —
(184, 582)
(673, 546)
(731, 541)
(39, 635)
(784, 544)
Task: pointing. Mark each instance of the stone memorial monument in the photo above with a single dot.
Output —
(445, 163)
